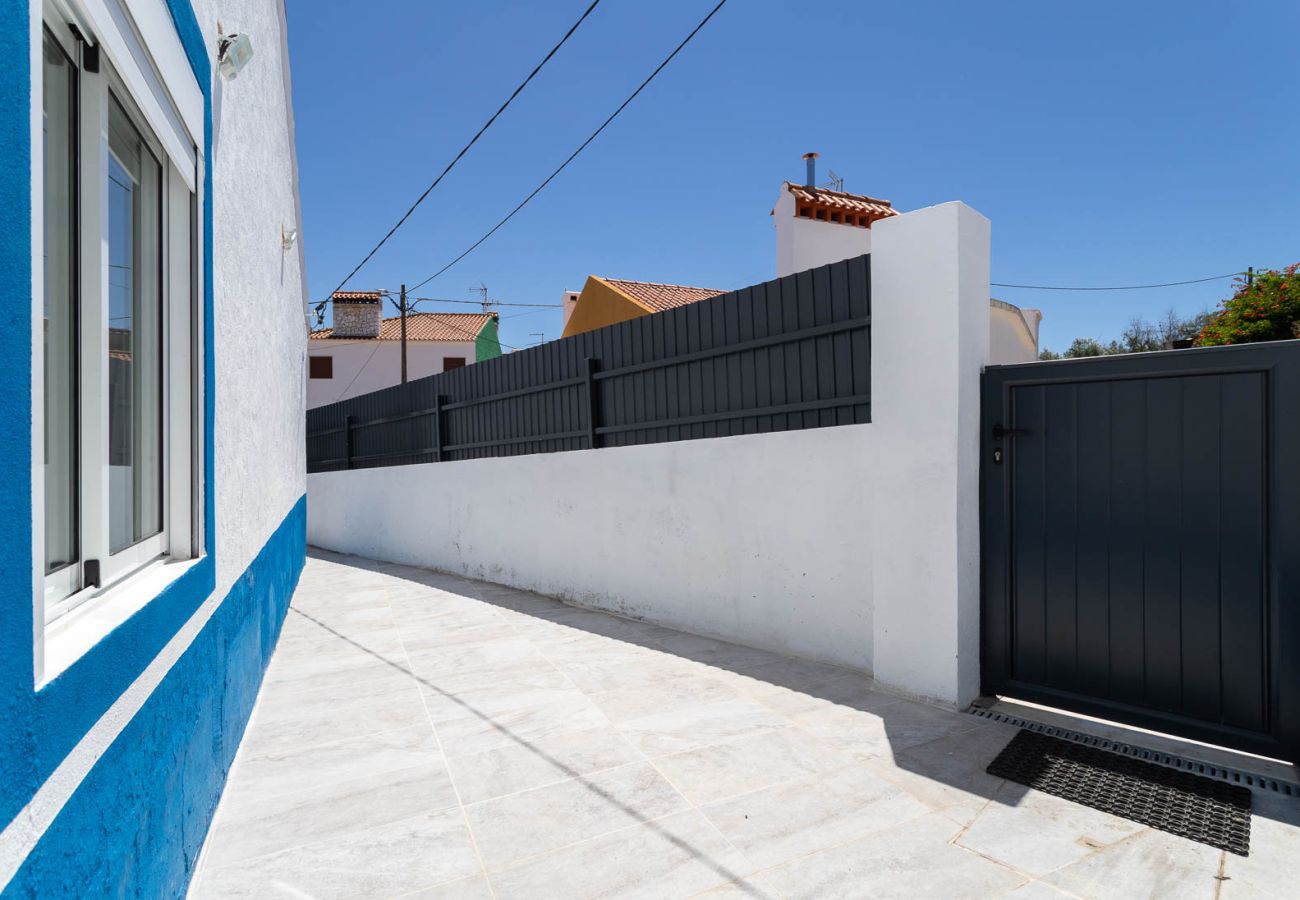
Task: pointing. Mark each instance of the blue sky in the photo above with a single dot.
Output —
(1108, 142)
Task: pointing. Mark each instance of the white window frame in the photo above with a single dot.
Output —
(153, 82)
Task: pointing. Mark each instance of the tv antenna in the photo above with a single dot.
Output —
(836, 183)
(482, 291)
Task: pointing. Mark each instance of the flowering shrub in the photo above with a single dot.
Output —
(1266, 310)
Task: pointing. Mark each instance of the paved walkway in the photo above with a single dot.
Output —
(426, 736)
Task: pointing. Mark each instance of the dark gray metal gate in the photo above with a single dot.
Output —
(1141, 532)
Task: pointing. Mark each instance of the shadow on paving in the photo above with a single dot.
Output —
(936, 754)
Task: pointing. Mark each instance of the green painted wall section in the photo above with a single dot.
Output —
(487, 345)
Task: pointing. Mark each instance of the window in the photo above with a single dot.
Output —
(60, 407)
(320, 366)
(452, 362)
(118, 355)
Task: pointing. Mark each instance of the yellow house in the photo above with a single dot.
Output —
(606, 301)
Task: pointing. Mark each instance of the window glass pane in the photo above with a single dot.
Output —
(134, 334)
(59, 84)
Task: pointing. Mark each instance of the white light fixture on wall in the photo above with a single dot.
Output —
(287, 237)
(233, 53)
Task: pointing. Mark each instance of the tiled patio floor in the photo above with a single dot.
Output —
(425, 736)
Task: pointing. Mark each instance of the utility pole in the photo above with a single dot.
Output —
(403, 334)
(1250, 276)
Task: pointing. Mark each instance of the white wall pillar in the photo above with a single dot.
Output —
(930, 341)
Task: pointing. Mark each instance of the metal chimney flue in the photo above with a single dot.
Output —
(811, 179)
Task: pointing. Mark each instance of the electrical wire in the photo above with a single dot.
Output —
(479, 302)
(359, 371)
(1128, 287)
(472, 141)
(537, 190)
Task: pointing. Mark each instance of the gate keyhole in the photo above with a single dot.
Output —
(997, 456)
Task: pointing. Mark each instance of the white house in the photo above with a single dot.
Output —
(816, 226)
(362, 351)
(154, 480)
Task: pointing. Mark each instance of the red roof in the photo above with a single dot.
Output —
(367, 296)
(425, 326)
(659, 297)
(850, 209)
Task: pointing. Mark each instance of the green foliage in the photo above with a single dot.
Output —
(1140, 336)
(1266, 309)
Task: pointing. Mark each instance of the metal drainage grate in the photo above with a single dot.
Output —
(1209, 770)
(1180, 803)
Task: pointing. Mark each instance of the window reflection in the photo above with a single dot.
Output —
(134, 334)
(60, 339)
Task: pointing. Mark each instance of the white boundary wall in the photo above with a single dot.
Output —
(855, 545)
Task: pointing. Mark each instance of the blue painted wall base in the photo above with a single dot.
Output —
(135, 826)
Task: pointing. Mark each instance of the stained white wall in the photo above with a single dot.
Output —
(856, 545)
(260, 337)
(364, 366)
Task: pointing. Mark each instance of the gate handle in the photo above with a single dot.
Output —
(999, 432)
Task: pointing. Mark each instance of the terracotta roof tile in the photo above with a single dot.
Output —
(660, 297)
(372, 296)
(869, 209)
(427, 326)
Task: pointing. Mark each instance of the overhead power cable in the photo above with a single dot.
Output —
(479, 302)
(574, 155)
(463, 150)
(1126, 287)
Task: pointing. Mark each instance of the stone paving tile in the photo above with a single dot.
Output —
(1151, 865)
(432, 737)
(1036, 890)
(473, 888)
(948, 773)
(251, 826)
(797, 817)
(1273, 867)
(383, 861)
(914, 859)
(310, 766)
(544, 759)
(1038, 833)
(508, 829)
(678, 856)
(750, 763)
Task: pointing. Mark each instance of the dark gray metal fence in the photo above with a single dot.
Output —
(784, 355)
(1141, 519)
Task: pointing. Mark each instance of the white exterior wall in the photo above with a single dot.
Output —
(364, 366)
(1013, 335)
(803, 244)
(695, 534)
(926, 360)
(259, 289)
(855, 545)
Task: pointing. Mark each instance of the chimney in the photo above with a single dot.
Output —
(810, 181)
(357, 314)
(570, 301)
(816, 227)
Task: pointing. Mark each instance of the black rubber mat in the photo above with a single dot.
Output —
(1190, 806)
